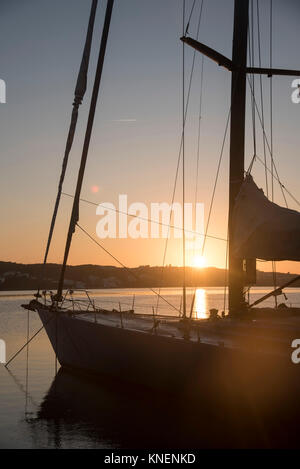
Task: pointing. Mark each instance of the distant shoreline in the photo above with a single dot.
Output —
(29, 293)
(26, 277)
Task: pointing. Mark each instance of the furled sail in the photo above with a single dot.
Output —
(262, 229)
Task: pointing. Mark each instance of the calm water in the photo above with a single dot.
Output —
(39, 409)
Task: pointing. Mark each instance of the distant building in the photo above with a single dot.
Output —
(73, 283)
(68, 282)
(13, 273)
(110, 282)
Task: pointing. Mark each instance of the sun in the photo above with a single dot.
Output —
(199, 261)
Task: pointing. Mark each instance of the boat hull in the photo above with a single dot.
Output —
(214, 373)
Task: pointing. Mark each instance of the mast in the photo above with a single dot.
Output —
(79, 93)
(183, 169)
(237, 143)
(75, 209)
(238, 67)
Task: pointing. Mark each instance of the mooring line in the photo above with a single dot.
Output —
(27, 343)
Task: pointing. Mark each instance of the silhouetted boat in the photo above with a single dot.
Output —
(245, 356)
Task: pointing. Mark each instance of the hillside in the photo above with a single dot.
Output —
(14, 276)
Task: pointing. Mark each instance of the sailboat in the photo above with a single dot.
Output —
(245, 353)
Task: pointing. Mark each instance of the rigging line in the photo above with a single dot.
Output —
(261, 96)
(198, 140)
(181, 142)
(251, 59)
(27, 343)
(79, 93)
(199, 119)
(183, 163)
(199, 130)
(217, 173)
(188, 23)
(226, 272)
(253, 63)
(56, 345)
(286, 190)
(187, 102)
(87, 138)
(123, 265)
(198, 152)
(271, 98)
(268, 145)
(216, 181)
(145, 219)
(271, 134)
(27, 361)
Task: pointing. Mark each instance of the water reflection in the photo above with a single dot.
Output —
(81, 412)
(200, 307)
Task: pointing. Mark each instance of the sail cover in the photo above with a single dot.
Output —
(262, 229)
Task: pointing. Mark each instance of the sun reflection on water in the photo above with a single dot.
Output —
(200, 311)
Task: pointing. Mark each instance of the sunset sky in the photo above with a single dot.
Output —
(136, 135)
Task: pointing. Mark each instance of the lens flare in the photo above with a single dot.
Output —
(199, 261)
(95, 189)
